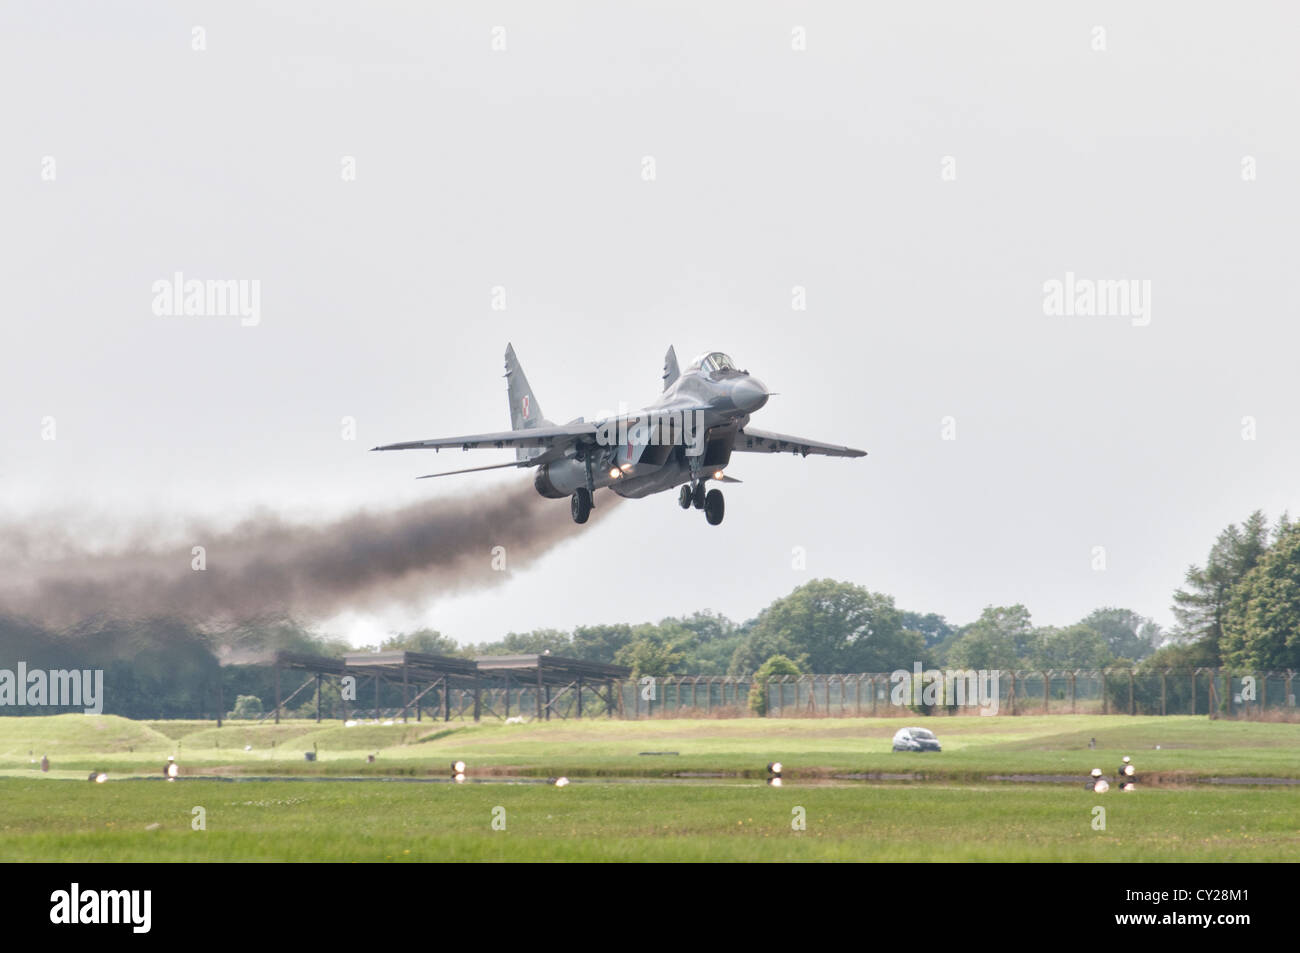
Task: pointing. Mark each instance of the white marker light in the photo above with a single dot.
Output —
(717, 474)
(614, 472)
(458, 767)
(561, 782)
(774, 768)
(1128, 770)
(1102, 786)
(101, 777)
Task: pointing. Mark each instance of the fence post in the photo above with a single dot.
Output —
(1047, 681)
(1163, 673)
(874, 696)
(1132, 705)
(1105, 701)
(1011, 694)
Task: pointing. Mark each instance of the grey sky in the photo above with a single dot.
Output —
(775, 168)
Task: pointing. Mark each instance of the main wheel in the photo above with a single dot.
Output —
(684, 498)
(580, 505)
(698, 497)
(714, 507)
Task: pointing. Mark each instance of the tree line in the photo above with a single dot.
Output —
(1240, 609)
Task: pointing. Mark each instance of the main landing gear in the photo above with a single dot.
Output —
(711, 502)
(580, 504)
(688, 497)
(714, 507)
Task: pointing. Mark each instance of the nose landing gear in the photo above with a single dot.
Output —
(580, 505)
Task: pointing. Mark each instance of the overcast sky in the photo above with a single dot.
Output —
(921, 170)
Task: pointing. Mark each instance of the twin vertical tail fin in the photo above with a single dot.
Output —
(671, 373)
(525, 412)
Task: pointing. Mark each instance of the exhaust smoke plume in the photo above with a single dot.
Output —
(265, 566)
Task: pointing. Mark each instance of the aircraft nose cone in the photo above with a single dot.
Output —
(748, 394)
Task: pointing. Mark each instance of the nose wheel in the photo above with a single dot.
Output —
(684, 497)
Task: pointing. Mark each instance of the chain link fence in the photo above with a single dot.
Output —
(1203, 691)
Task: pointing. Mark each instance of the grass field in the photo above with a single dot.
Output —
(954, 814)
(974, 747)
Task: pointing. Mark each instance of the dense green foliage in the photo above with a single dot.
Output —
(1261, 626)
(246, 706)
(776, 665)
(1243, 607)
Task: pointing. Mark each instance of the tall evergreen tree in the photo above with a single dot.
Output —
(1261, 626)
(1200, 606)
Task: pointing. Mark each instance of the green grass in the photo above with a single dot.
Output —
(376, 821)
(55, 735)
(974, 747)
(955, 814)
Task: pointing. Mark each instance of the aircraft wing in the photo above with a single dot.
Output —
(764, 441)
(549, 438)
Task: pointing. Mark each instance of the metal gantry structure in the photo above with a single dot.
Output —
(425, 674)
(552, 678)
(455, 686)
(320, 668)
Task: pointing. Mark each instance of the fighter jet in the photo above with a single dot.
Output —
(683, 439)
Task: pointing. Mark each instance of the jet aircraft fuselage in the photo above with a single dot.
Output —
(685, 438)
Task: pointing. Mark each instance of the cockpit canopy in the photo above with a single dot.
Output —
(712, 363)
